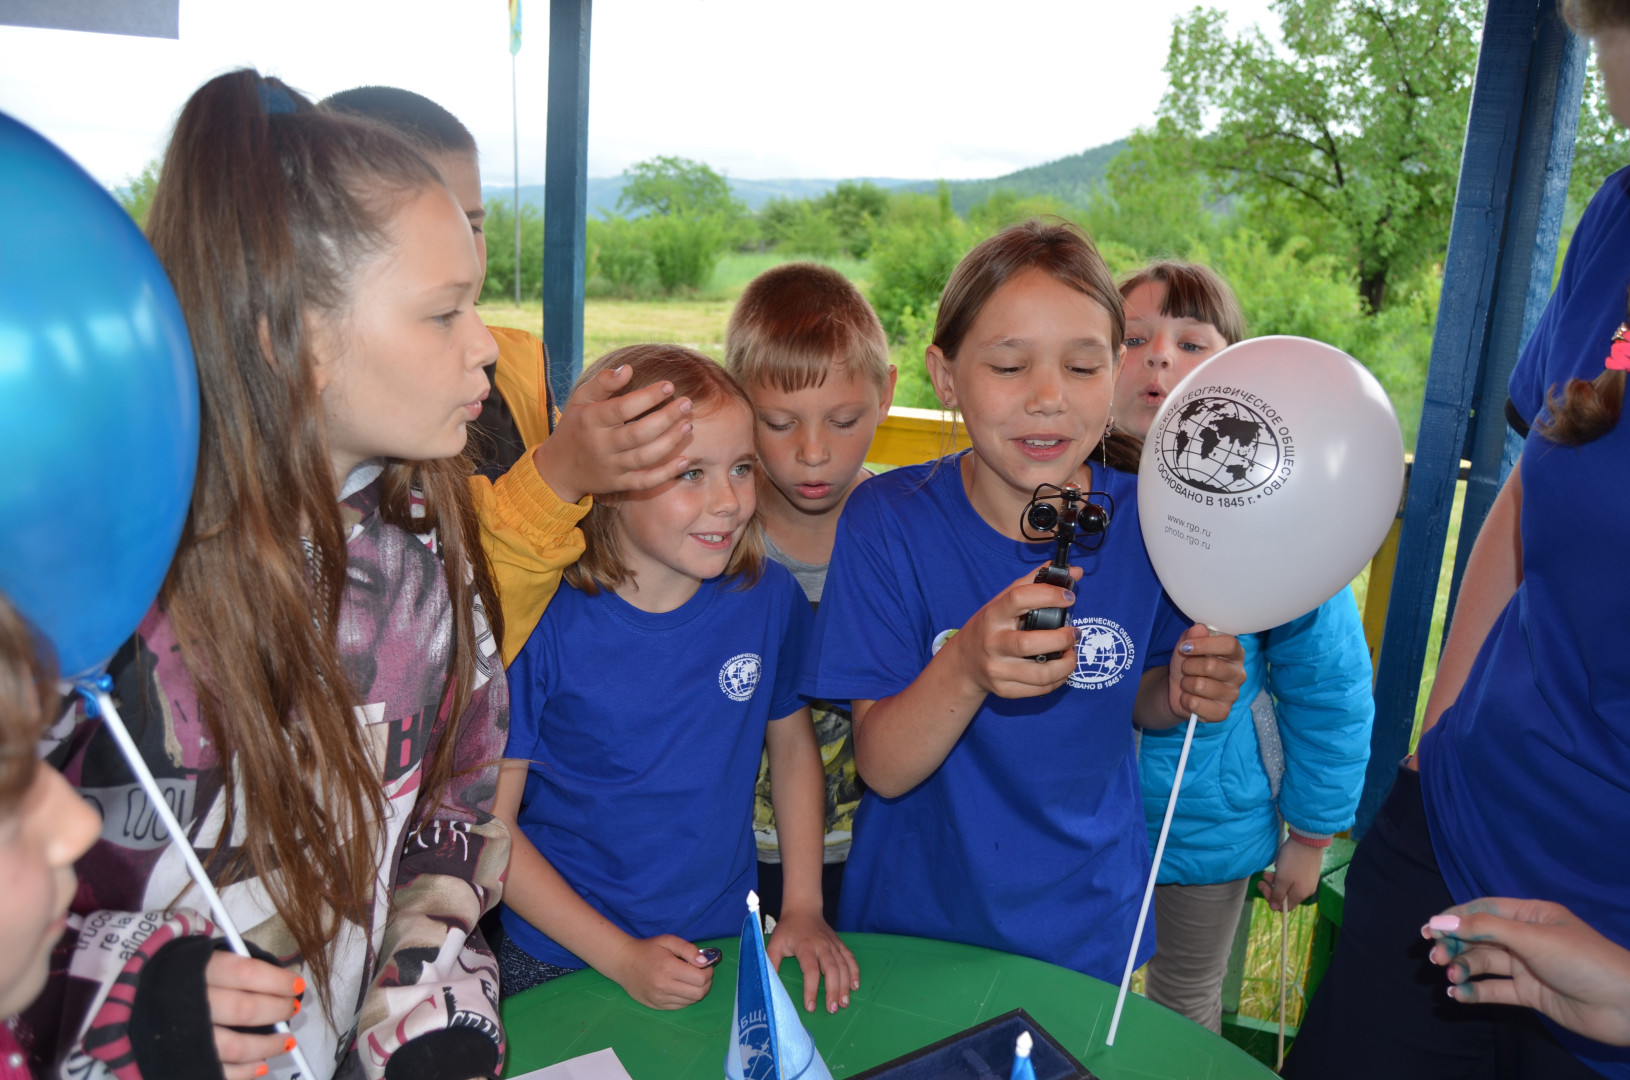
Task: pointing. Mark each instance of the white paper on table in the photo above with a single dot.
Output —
(600, 1065)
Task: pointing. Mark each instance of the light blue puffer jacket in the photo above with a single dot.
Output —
(1316, 670)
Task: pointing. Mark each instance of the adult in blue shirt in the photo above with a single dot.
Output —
(1523, 786)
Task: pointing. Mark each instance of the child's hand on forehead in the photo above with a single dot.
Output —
(595, 448)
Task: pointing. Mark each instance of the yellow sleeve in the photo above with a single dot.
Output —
(530, 536)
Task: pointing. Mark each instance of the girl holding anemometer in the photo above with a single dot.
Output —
(316, 688)
(666, 664)
(1003, 805)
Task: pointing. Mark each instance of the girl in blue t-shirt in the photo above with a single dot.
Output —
(667, 661)
(1003, 807)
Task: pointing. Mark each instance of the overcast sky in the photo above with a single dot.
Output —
(759, 89)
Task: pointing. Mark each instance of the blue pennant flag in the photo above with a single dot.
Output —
(1022, 1069)
(767, 1041)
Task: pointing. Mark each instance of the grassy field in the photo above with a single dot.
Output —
(699, 321)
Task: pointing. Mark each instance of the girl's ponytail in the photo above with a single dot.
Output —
(266, 206)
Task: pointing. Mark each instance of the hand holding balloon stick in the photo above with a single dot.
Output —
(1269, 478)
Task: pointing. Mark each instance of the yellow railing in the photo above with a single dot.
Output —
(907, 436)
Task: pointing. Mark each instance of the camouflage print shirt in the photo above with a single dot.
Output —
(419, 972)
(834, 731)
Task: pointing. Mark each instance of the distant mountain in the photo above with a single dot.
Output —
(1069, 179)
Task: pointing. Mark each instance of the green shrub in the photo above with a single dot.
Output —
(500, 234)
(621, 253)
(684, 250)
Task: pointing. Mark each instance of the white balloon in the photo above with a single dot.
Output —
(1269, 478)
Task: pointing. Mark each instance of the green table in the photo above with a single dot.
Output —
(912, 992)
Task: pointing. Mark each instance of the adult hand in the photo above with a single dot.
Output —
(820, 952)
(244, 992)
(1205, 675)
(598, 446)
(664, 972)
(1000, 658)
(1540, 955)
(1295, 874)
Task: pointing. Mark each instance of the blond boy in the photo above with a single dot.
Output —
(814, 360)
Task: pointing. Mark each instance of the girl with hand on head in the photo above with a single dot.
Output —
(1295, 745)
(1520, 786)
(1003, 805)
(664, 667)
(44, 827)
(317, 688)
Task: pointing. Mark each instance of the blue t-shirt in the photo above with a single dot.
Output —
(1029, 837)
(644, 732)
(1526, 777)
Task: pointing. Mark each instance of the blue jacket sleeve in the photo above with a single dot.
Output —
(1319, 676)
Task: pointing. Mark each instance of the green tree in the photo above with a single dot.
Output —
(677, 187)
(1602, 146)
(621, 253)
(500, 233)
(1349, 129)
(913, 258)
(857, 211)
(1153, 201)
(137, 194)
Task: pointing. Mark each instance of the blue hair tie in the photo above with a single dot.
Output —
(275, 99)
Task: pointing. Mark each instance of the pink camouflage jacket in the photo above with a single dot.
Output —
(418, 985)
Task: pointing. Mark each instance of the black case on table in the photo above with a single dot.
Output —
(984, 1052)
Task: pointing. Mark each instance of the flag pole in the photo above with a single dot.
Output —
(515, 118)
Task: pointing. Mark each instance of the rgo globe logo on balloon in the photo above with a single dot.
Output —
(1224, 446)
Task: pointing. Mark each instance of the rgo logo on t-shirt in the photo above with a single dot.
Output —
(739, 676)
(1104, 653)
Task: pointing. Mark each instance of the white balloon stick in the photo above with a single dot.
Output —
(1154, 872)
(132, 754)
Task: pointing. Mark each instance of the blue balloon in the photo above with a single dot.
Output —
(98, 406)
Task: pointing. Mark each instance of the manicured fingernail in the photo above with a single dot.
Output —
(1186, 647)
(297, 1006)
(299, 986)
(701, 957)
(1448, 924)
(619, 369)
(667, 387)
(684, 405)
(261, 1070)
(845, 1001)
(288, 1044)
(687, 429)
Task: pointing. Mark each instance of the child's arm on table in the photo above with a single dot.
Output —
(664, 972)
(1203, 678)
(798, 793)
(901, 739)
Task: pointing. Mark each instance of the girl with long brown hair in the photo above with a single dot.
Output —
(316, 688)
